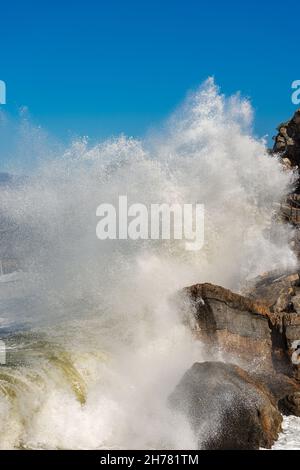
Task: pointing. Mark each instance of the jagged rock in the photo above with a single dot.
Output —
(287, 141)
(286, 287)
(275, 289)
(232, 322)
(287, 145)
(257, 331)
(290, 404)
(227, 409)
(283, 388)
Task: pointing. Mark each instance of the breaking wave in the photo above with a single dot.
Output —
(95, 345)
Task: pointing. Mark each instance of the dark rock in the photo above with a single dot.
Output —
(284, 389)
(282, 294)
(287, 146)
(236, 324)
(287, 141)
(258, 331)
(227, 409)
(290, 404)
(274, 289)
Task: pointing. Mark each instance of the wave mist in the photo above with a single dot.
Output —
(99, 344)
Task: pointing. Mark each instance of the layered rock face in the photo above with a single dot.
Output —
(236, 324)
(259, 328)
(282, 296)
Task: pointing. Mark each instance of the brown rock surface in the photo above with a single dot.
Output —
(235, 323)
(287, 141)
(258, 330)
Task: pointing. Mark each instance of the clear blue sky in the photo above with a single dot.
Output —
(103, 67)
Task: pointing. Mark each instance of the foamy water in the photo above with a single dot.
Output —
(289, 439)
(98, 341)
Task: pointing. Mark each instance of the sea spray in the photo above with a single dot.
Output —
(102, 306)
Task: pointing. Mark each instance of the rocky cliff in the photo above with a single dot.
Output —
(259, 332)
(287, 141)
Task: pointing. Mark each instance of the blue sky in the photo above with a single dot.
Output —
(99, 68)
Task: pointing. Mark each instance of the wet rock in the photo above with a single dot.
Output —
(258, 331)
(287, 141)
(226, 407)
(285, 310)
(234, 323)
(287, 146)
(268, 288)
(283, 388)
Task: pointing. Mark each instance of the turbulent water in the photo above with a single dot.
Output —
(289, 439)
(95, 342)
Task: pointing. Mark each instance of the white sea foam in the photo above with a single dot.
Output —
(289, 439)
(107, 303)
